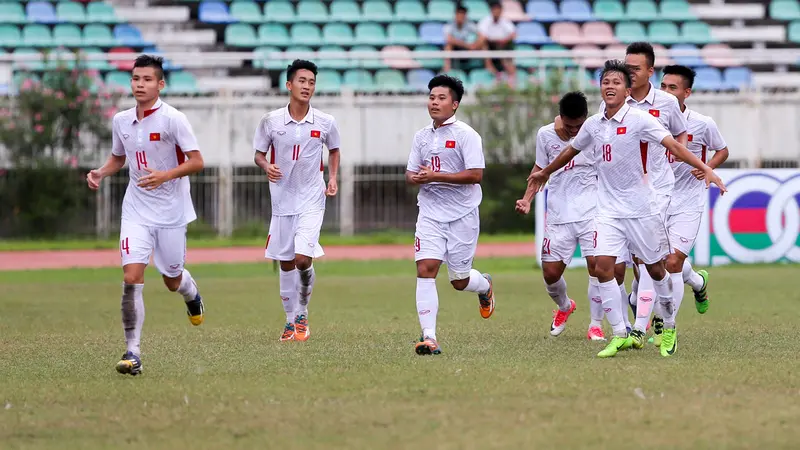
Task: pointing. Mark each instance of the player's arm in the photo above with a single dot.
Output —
(333, 141)
(114, 163)
(414, 162)
(468, 176)
(523, 205)
(715, 142)
(678, 125)
(688, 157)
(262, 143)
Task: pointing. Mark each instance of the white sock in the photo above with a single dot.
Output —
(427, 306)
(133, 315)
(558, 292)
(288, 282)
(477, 283)
(307, 278)
(188, 288)
(609, 291)
(678, 289)
(624, 304)
(663, 290)
(634, 287)
(690, 277)
(595, 303)
(644, 293)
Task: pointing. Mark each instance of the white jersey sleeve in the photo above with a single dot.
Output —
(472, 151)
(117, 149)
(262, 140)
(652, 131)
(677, 121)
(414, 158)
(584, 140)
(332, 139)
(183, 133)
(714, 138)
(541, 149)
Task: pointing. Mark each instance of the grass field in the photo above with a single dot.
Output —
(500, 383)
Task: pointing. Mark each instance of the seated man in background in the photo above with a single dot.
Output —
(498, 33)
(460, 34)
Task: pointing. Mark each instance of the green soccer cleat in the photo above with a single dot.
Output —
(701, 296)
(617, 344)
(637, 339)
(669, 342)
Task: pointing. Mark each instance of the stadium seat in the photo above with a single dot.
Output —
(615, 51)
(662, 56)
(457, 73)
(41, 12)
(370, 33)
(708, 79)
(663, 33)
(401, 33)
(95, 64)
(378, 11)
(558, 61)
(27, 64)
(432, 33)
(441, 10)
(118, 80)
(390, 80)
(693, 60)
(678, 10)
(359, 80)
(71, 12)
(243, 11)
(429, 63)
(410, 11)
(366, 63)
(124, 65)
(576, 11)
(418, 79)
(793, 32)
(243, 35)
(512, 10)
(696, 33)
(398, 57)
(591, 55)
(129, 35)
(12, 13)
(599, 33)
(59, 57)
(566, 33)
(98, 35)
(282, 12)
(68, 35)
(263, 61)
(643, 10)
(167, 64)
(312, 11)
(272, 34)
(297, 49)
(305, 34)
(720, 55)
(37, 36)
(182, 83)
(737, 78)
(476, 9)
(100, 12)
(531, 33)
(214, 12)
(345, 11)
(328, 81)
(784, 10)
(481, 79)
(609, 10)
(10, 36)
(628, 32)
(337, 34)
(543, 11)
(526, 62)
(337, 63)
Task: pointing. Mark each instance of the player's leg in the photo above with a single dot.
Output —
(619, 275)
(595, 331)
(429, 252)
(306, 248)
(611, 242)
(280, 247)
(698, 281)
(682, 229)
(136, 246)
(169, 256)
(558, 246)
(461, 241)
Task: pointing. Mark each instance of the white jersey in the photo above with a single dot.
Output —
(623, 190)
(572, 191)
(664, 107)
(451, 148)
(296, 148)
(703, 135)
(157, 142)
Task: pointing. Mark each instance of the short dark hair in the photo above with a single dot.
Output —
(455, 85)
(573, 105)
(615, 65)
(300, 64)
(156, 62)
(642, 48)
(687, 73)
(461, 9)
(495, 4)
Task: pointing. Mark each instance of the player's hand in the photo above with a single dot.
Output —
(154, 179)
(699, 174)
(425, 175)
(93, 179)
(560, 129)
(523, 206)
(274, 173)
(333, 188)
(712, 177)
(538, 180)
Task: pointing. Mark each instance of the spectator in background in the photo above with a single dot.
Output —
(460, 34)
(498, 33)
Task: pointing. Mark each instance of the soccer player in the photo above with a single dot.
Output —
(162, 151)
(293, 136)
(686, 207)
(571, 207)
(447, 162)
(628, 214)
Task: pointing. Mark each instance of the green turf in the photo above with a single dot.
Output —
(500, 383)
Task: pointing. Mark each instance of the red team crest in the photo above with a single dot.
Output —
(315, 133)
(689, 137)
(622, 130)
(155, 137)
(655, 113)
(450, 144)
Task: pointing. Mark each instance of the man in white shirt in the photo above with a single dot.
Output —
(688, 198)
(628, 209)
(162, 151)
(498, 33)
(460, 34)
(571, 207)
(293, 137)
(447, 162)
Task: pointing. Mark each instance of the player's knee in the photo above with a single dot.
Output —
(133, 274)
(460, 285)
(302, 262)
(619, 273)
(551, 274)
(656, 271)
(674, 263)
(172, 283)
(604, 268)
(287, 266)
(427, 269)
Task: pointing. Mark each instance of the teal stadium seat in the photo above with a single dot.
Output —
(305, 34)
(664, 33)
(29, 64)
(59, 58)
(346, 11)
(428, 63)
(246, 12)
(477, 9)
(242, 35)
(481, 79)
(402, 34)
(391, 80)
(410, 11)
(99, 12)
(441, 10)
(273, 34)
(377, 10)
(71, 12)
(98, 35)
(118, 80)
(369, 63)
(644, 10)
(628, 32)
(282, 12)
(526, 63)
(312, 11)
(609, 10)
(37, 36)
(12, 13)
(182, 83)
(337, 34)
(10, 36)
(298, 49)
(328, 82)
(784, 10)
(359, 80)
(794, 32)
(68, 35)
(95, 64)
(562, 61)
(262, 60)
(458, 73)
(678, 10)
(370, 33)
(333, 63)
(697, 33)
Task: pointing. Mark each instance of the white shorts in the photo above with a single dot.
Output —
(682, 230)
(454, 242)
(166, 245)
(645, 237)
(294, 235)
(560, 240)
(625, 259)
(663, 205)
